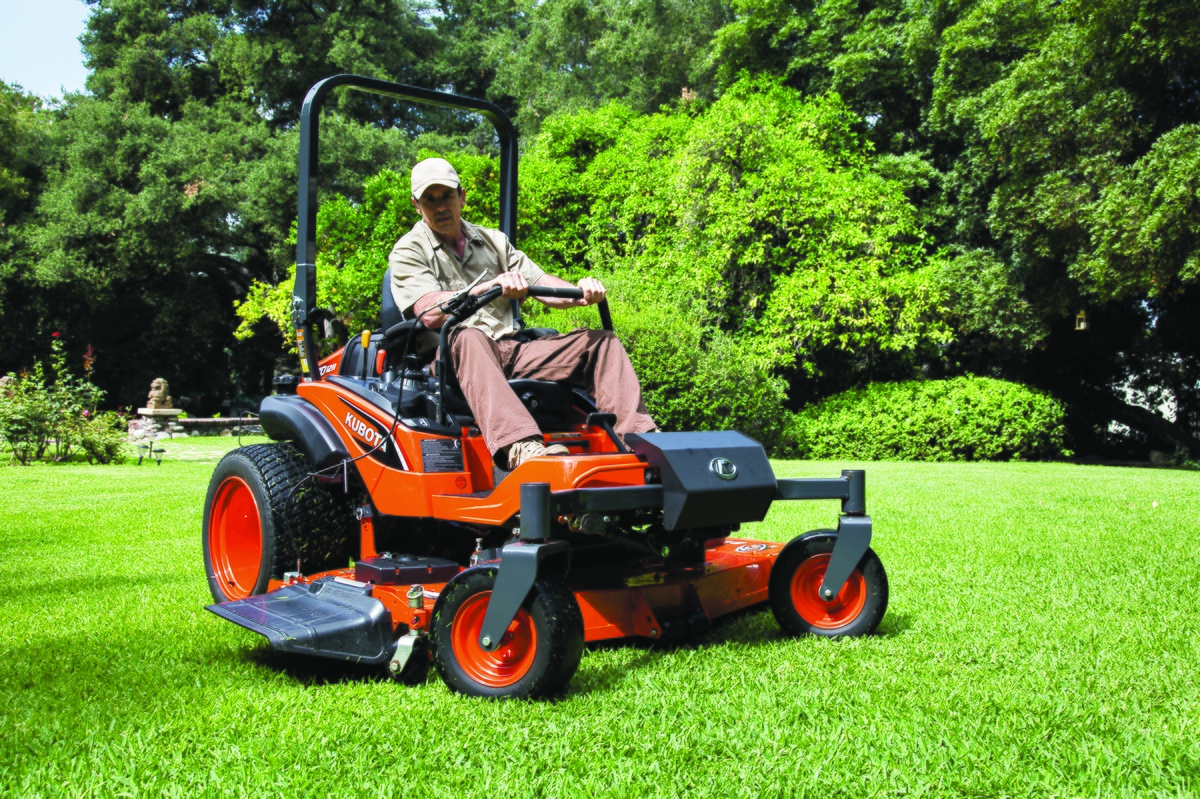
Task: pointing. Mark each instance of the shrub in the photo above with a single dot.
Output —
(72, 399)
(26, 413)
(693, 377)
(35, 413)
(103, 437)
(966, 418)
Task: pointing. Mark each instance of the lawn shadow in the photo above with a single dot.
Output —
(754, 626)
(69, 586)
(312, 670)
(894, 624)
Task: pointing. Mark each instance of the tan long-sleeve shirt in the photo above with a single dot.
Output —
(422, 264)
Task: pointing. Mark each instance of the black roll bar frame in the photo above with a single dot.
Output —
(304, 293)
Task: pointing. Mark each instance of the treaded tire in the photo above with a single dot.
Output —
(254, 522)
(795, 600)
(544, 643)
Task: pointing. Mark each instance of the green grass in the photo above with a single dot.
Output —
(1041, 641)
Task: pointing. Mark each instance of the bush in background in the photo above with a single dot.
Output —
(104, 437)
(26, 413)
(38, 413)
(693, 377)
(963, 419)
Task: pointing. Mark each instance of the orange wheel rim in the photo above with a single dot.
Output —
(806, 595)
(509, 662)
(235, 538)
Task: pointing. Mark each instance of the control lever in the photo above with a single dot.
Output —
(460, 300)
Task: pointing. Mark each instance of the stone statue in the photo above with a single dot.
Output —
(158, 395)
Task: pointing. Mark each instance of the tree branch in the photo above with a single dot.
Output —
(1148, 422)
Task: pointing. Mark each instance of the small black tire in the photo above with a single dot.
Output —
(260, 513)
(797, 574)
(539, 655)
(416, 670)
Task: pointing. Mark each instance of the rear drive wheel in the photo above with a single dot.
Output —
(255, 519)
(538, 654)
(794, 590)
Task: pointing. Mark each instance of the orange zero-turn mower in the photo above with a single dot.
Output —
(498, 577)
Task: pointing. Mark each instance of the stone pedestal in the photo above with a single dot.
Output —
(153, 423)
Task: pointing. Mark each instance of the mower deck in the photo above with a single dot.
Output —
(660, 603)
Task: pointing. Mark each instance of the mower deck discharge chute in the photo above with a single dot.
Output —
(499, 578)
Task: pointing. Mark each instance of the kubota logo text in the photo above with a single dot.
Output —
(363, 430)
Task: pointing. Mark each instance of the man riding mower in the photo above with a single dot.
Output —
(443, 254)
(499, 575)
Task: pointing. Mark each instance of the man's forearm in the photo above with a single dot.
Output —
(434, 319)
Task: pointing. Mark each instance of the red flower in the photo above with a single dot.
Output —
(54, 334)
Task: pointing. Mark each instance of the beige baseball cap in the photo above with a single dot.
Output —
(433, 172)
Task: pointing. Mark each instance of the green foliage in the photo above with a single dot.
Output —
(877, 55)
(962, 419)
(23, 141)
(1051, 149)
(72, 399)
(104, 437)
(19, 122)
(566, 56)
(693, 377)
(762, 216)
(39, 411)
(26, 413)
(263, 54)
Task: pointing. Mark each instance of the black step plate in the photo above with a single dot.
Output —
(331, 617)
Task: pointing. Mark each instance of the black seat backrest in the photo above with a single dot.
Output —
(389, 314)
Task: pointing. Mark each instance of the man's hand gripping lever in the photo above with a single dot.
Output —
(462, 303)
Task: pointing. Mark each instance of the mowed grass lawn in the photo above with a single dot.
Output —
(1042, 640)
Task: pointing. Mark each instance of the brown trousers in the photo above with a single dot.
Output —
(590, 359)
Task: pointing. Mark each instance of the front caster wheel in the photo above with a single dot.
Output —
(538, 654)
(416, 668)
(796, 580)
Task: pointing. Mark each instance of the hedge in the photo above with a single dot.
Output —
(961, 419)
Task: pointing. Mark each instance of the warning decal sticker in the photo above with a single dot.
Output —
(442, 455)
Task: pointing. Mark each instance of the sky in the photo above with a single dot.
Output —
(39, 45)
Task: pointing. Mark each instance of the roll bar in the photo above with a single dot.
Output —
(304, 294)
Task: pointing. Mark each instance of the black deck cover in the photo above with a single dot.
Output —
(694, 494)
(331, 617)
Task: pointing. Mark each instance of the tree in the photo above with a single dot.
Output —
(1078, 171)
(173, 187)
(1050, 147)
(572, 55)
(25, 138)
